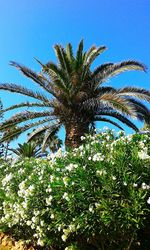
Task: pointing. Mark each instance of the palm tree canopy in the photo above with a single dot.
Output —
(74, 96)
(29, 149)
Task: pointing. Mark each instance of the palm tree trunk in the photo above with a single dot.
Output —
(74, 131)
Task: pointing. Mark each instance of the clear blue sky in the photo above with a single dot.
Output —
(30, 28)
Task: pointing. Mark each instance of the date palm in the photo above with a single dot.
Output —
(29, 150)
(75, 96)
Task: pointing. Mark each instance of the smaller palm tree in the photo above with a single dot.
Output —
(29, 150)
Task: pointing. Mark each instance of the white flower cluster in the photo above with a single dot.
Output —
(101, 172)
(70, 229)
(7, 179)
(36, 193)
(143, 154)
(71, 167)
(145, 186)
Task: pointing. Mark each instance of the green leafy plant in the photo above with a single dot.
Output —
(29, 150)
(96, 196)
(79, 97)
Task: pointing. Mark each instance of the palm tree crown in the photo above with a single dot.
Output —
(29, 149)
(74, 96)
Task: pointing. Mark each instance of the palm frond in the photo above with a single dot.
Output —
(64, 63)
(93, 54)
(9, 135)
(79, 56)
(30, 104)
(57, 75)
(34, 76)
(118, 116)
(143, 113)
(69, 52)
(136, 92)
(51, 131)
(106, 71)
(102, 90)
(24, 91)
(118, 103)
(42, 129)
(24, 116)
(103, 119)
(37, 132)
(27, 150)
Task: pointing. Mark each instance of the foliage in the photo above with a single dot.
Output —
(29, 150)
(97, 195)
(79, 99)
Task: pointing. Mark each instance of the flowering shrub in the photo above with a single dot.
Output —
(97, 195)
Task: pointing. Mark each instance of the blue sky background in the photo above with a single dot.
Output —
(30, 28)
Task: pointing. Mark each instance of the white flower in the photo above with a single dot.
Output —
(97, 205)
(143, 154)
(65, 180)
(107, 137)
(98, 157)
(124, 183)
(141, 144)
(49, 200)
(72, 227)
(148, 201)
(33, 219)
(31, 188)
(91, 209)
(101, 172)
(24, 204)
(42, 223)
(40, 242)
(22, 185)
(29, 222)
(52, 216)
(7, 178)
(51, 178)
(65, 196)
(114, 178)
(145, 186)
(48, 190)
(71, 166)
(64, 237)
(135, 184)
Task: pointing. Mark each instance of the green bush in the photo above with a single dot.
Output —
(97, 195)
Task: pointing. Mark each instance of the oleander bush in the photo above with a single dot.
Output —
(96, 196)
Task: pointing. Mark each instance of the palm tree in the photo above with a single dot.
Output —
(74, 96)
(27, 150)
